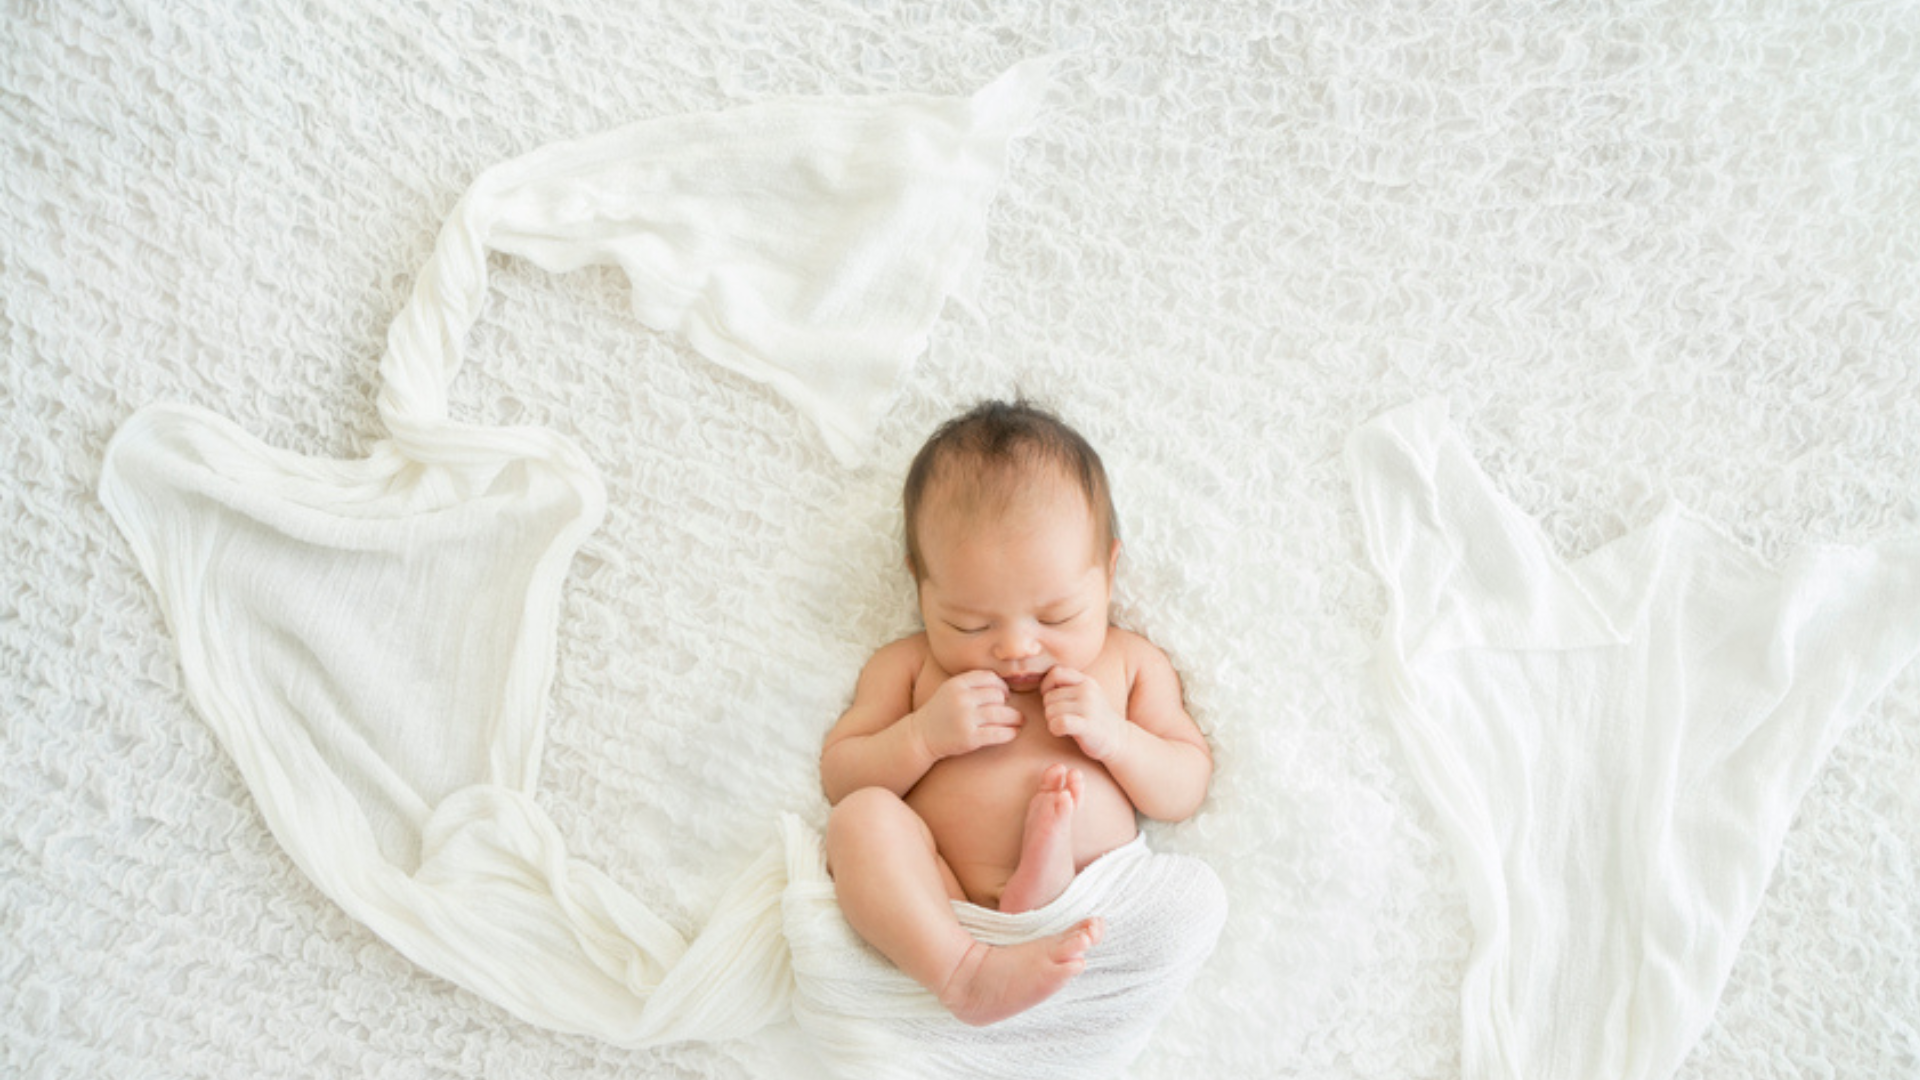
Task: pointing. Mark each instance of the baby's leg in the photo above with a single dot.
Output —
(1046, 850)
(896, 893)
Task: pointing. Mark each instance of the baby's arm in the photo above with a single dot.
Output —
(1155, 751)
(881, 741)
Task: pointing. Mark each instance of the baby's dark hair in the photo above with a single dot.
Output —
(989, 449)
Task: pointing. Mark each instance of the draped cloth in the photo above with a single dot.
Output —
(1615, 745)
(372, 640)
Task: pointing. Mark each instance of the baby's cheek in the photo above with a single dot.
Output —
(1081, 652)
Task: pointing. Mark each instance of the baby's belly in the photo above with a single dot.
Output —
(976, 807)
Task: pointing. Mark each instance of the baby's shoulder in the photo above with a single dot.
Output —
(1124, 642)
(1136, 654)
(892, 673)
(903, 658)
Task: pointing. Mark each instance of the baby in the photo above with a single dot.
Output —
(993, 756)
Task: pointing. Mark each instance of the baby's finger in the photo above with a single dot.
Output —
(999, 716)
(986, 697)
(1060, 675)
(984, 679)
(968, 684)
(995, 734)
(1065, 699)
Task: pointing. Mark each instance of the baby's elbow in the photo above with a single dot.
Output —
(837, 790)
(833, 780)
(1183, 800)
(1180, 807)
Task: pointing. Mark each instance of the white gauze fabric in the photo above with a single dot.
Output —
(1615, 745)
(372, 640)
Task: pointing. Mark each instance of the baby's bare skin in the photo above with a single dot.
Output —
(1010, 818)
(1047, 859)
(993, 756)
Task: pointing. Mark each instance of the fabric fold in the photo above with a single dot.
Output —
(1502, 587)
(808, 244)
(1614, 802)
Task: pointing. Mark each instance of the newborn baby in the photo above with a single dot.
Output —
(993, 756)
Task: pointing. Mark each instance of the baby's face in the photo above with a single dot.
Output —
(1018, 594)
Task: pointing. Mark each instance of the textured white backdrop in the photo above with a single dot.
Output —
(1644, 249)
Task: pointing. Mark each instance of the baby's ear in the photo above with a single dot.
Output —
(1113, 559)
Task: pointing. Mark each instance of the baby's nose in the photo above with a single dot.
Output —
(1015, 645)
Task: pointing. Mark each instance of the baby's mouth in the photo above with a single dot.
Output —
(1024, 683)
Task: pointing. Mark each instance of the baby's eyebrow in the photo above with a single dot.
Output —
(958, 611)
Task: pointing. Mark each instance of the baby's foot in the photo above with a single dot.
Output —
(994, 982)
(1046, 849)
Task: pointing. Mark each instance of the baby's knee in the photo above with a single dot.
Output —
(863, 807)
(869, 815)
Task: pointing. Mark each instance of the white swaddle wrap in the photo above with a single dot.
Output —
(866, 1019)
(1616, 745)
(373, 640)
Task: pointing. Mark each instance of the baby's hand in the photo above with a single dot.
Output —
(969, 711)
(1077, 709)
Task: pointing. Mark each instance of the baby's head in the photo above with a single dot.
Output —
(999, 460)
(1012, 542)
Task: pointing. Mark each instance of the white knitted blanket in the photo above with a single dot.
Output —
(1646, 252)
